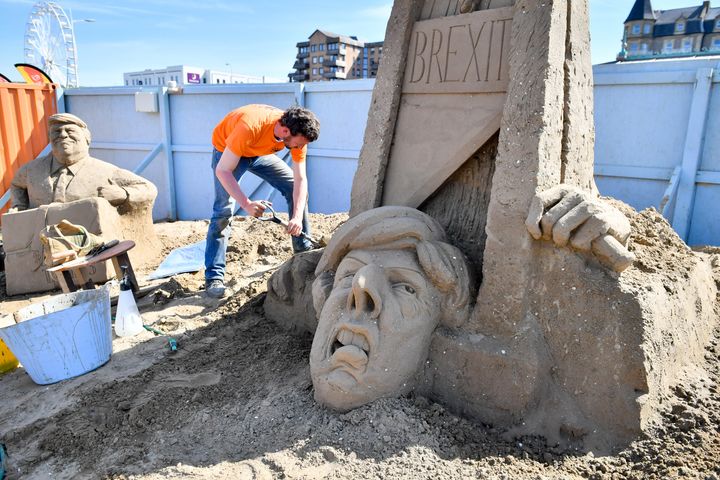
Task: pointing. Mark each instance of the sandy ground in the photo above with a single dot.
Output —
(235, 402)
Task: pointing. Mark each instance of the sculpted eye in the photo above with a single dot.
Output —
(344, 277)
(405, 288)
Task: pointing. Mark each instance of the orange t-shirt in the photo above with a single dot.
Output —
(248, 132)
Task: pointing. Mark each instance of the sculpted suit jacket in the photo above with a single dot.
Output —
(35, 183)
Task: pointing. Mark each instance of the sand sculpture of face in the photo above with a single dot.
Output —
(70, 138)
(384, 282)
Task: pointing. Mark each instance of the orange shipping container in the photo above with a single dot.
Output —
(24, 112)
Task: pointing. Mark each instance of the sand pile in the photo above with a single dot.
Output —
(236, 400)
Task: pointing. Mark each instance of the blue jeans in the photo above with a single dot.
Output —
(271, 169)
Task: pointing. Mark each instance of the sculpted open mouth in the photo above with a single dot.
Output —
(350, 349)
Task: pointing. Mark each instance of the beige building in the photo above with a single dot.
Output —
(328, 56)
(676, 32)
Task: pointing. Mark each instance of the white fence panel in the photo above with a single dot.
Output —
(651, 118)
(184, 124)
(342, 108)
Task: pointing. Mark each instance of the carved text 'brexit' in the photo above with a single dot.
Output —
(460, 54)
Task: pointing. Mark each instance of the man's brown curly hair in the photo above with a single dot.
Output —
(301, 121)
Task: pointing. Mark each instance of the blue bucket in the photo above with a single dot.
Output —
(63, 337)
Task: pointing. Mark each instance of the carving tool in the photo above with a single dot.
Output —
(272, 217)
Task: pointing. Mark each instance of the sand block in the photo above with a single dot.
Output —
(25, 270)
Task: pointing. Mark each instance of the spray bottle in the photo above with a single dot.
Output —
(127, 317)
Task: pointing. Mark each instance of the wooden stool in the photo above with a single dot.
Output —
(79, 267)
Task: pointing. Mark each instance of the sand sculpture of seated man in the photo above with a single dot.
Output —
(388, 278)
(70, 184)
(69, 173)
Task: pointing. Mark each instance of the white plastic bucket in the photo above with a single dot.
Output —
(63, 337)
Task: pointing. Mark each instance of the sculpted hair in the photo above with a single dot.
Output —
(301, 121)
(393, 227)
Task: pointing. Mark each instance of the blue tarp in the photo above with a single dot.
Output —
(190, 258)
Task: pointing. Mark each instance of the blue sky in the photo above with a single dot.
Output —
(255, 38)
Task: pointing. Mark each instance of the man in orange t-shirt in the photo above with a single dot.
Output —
(247, 140)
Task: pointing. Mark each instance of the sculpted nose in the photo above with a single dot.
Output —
(365, 296)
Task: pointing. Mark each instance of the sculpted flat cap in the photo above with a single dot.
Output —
(64, 119)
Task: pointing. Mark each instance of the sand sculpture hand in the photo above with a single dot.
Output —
(569, 215)
(113, 194)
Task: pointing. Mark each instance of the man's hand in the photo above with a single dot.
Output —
(114, 194)
(566, 214)
(294, 227)
(256, 209)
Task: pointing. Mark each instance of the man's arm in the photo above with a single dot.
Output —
(19, 199)
(224, 173)
(300, 193)
(126, 187)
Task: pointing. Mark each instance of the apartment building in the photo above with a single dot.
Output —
(186, 75)
(328, 56)
(670, 33)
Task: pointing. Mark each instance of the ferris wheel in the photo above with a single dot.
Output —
(50, 43)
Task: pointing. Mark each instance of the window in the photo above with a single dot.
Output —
(321, 59)
(668, 46)
(715, 43)
(379, 50)
(342, 47)
(321, 47)
(312, 48)
(633, 48)
(636, 29)
(644, 48)
(687, 45)
(646, 28)
(314, 71)
(321, 71)
(717, 25)
(314, 59)
(680, 26)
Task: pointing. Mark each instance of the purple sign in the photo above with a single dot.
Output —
(193, 77)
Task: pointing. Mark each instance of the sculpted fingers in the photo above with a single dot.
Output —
(612, 253)
(593, 228)
(619, 226)
(534, 215)
(575, 218)
(562, 208)
(541, 203)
